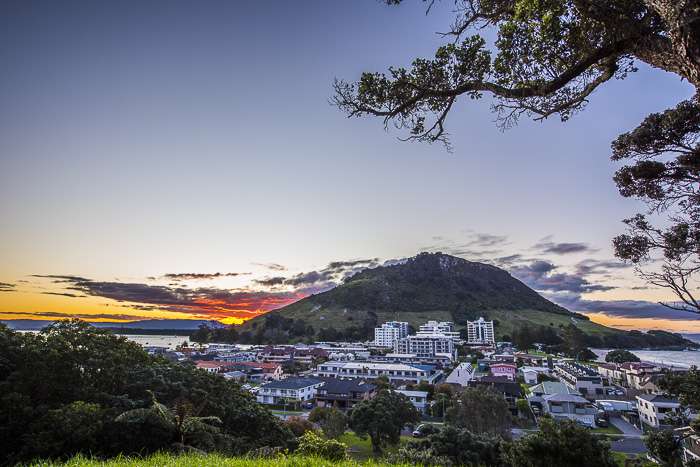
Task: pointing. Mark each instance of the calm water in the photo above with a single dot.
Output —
(685, 359)
(157, 340)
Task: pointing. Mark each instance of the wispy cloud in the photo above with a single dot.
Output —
(185, 276)
(5, 287)
(547, 246)
(272, 266)
(320, 280)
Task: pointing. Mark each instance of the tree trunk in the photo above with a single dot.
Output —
(682, 18)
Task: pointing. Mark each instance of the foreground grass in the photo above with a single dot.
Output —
(207, 460)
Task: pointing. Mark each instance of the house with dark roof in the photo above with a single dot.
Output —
(511, 390)
(570, 406)
(344, 393)
(288, 391)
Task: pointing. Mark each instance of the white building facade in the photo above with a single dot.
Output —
(438, 328)
(395, 372)
(480, 332)
(426, 346)
(388, 333)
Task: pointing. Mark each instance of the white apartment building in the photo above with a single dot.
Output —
(480, 332)
(426, 346)
(370, 370)
(389, 332)
(441, 328)
(653, 409)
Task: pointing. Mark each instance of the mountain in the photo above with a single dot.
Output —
(428, 286)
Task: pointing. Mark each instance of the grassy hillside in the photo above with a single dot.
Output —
(208, 460)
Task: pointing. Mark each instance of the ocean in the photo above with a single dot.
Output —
(677, 358)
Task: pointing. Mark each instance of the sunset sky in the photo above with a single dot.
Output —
(181, 160)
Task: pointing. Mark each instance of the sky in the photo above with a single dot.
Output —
(182, 160)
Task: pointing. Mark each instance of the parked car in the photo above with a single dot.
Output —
(424, 429)
(602, 419)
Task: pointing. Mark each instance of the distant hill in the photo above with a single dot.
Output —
(430, 286)
(149, 324)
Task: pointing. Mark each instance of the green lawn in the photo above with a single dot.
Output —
(208, 460)
(361, 449)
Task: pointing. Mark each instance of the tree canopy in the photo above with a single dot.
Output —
(621, 356)
(559, 443)
(383, 417)
(75, 389)
(481, 410)
(548, 58)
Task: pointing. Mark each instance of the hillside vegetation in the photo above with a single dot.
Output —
(431, 286)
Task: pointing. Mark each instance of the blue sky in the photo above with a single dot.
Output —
(139, 139)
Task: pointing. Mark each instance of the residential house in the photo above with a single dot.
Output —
(510, 389)
(287, 352)
(507, 370)
(613, 373)
(419, 399)
(637, 374)
(344, 393)
(208, 366)
(690, 444)
(290, 390)
(571, 406)
(582, 378)
(655, 408)
(530, 373)
(461, 375)
(256, 371)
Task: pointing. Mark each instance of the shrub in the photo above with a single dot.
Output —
(311, 444)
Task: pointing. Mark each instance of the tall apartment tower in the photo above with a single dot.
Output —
(390, 332)
(480, 332)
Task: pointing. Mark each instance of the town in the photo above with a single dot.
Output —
(623, 400)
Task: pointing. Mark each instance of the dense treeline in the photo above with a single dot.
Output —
(278, 329)
(66, 389)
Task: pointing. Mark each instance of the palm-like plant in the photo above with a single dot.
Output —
(181, 420)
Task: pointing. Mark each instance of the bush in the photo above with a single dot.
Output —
(311, 444)
(299, 425)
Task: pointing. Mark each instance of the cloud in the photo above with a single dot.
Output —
(487, 240)
(476, 246)
(208, 302)
(564, 248)
(61, 279)
(624, 308)
(592, 266)
(5, 287)
(540, 276)
(317, 281)
(272, 266)
(64, 294)
(185, 276)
